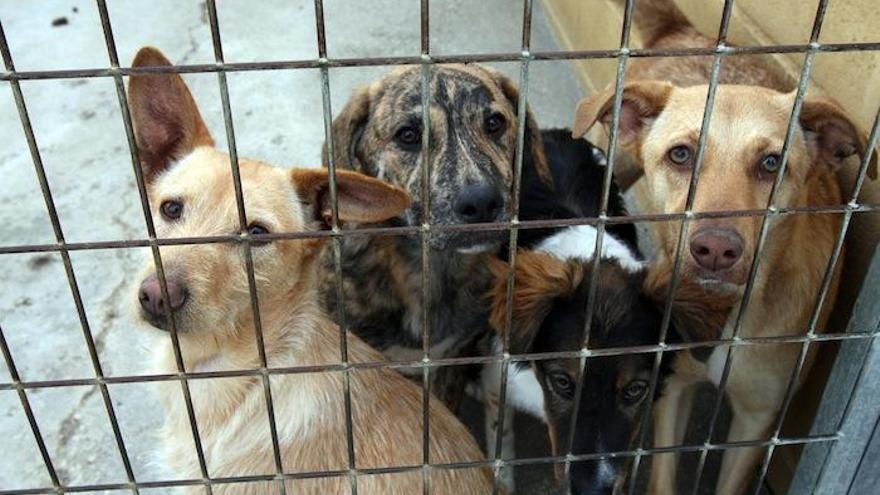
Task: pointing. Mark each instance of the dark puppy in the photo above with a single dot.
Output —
(473, 126)
(577, 168)
(549, 309)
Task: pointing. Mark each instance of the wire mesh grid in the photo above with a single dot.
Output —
(427, 364)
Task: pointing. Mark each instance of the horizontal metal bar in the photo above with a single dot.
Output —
(437, 59)
(440, 362)
(854, 208)
(415, 467)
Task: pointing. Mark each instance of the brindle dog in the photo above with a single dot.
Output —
(473, 123)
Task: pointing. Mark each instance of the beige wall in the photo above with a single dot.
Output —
(853, 78)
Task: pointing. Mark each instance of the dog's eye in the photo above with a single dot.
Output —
(171, 209)
(495, 124)
(770, 164)
(680, 155)
(408, 136)
(634, 391)
(562, 384)
(257, 229)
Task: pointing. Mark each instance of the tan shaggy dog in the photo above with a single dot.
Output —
(191, 192)
(660, 121)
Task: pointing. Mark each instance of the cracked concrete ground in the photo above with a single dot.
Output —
(81, 140)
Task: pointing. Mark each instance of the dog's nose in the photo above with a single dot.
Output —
(150, 295)
(478, 203)
(716, 249)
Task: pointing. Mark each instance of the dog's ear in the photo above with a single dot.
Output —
(347, 128)
(533, 145)
(641, 102)
(832, 133)
(698, 314)
(540, 278)
(166, 120)
(360, 199)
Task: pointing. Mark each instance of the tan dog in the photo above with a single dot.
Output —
(191, 191)
(659, 128)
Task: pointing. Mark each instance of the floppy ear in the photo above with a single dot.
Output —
(167, 123)
(360, 199)
(533, 145)
(833, 135)
(698, 314)
(539, 279)
(348, 127)
(642, 101)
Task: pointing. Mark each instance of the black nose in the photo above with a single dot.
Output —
(594, 478)
(478, 203)
(150, 296)
(591, 488)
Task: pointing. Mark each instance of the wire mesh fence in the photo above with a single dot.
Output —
(426, 59)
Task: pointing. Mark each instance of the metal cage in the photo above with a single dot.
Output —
(851, 411)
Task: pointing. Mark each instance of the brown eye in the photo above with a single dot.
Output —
(257, 229)
(495, 124)
(770, 164)
(562, 384)
(408, 137)
(171, 209)
(634, 391)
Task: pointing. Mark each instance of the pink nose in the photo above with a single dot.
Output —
(150, 295)
(716, 249)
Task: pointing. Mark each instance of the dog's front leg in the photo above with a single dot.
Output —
(671, 414)
(738, 465)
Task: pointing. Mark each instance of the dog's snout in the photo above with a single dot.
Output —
(594, 485)
(152, 301)
(716, 249)
(478, 203)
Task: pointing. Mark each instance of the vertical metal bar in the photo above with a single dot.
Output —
(622, 60)
(65, 258)
(771, 211)
(829, 272)
(22, 397)
(154, 247)
(246, 246)
(720, 51)
(337, 244)
(425, 235)
(522, 122)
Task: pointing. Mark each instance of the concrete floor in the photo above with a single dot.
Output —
(78, 127)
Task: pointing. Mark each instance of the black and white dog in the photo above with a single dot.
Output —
(550, 296)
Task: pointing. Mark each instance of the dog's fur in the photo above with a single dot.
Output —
(749, 122)
(216, 328)
(382, 277)
(577, 169)
(549, 306)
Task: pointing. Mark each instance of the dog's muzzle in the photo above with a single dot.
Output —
(155, 307)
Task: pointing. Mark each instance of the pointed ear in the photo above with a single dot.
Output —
(540, 278)
(533, 146)
(698, 314)
(642, 101)
(348, 127)
(360, 199)
(832, 134)
(166, 120)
